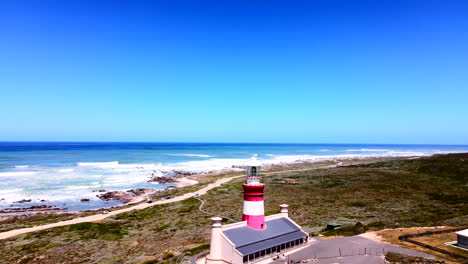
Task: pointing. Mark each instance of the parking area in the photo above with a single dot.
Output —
(349, 250)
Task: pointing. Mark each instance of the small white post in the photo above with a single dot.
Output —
(284, 210)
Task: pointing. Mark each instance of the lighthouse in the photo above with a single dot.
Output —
(257, 237)
(253, 212)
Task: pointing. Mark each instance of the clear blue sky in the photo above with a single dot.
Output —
(235, 71)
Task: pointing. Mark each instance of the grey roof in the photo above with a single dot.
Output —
(278, 231)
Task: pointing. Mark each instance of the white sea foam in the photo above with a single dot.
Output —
(83, 187)
(17, 173)
(21, 166)
(99, 164)
(64, 170)
(192, 155)
(10, 191)
(70, 184)
(368, 150)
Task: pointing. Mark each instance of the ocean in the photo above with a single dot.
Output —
(63, 173)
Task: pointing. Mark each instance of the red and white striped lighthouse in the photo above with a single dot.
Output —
(253, 212)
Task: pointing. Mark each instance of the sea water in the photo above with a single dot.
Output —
(63, 173)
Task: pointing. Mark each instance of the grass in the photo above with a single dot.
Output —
(439, 241)
(104, 231)
(391, 236)
(396, 258)
(357, 229)
(392, 193)
(22, 221)
(196, 250)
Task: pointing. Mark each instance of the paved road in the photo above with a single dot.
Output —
(353, 250)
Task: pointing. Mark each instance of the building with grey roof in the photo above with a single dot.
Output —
(257, 237)
(238, 243)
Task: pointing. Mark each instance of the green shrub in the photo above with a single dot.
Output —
(357, 229)
(405, 259)
(101, 231)
(167, 255)
(357, 204)
(161, 227)
(196, 250)
(151, 261)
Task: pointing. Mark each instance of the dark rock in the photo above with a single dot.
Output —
(84, 200)
(140, 191)
(39, 206)
(24, 201)
(182, 173)
(33, 208)
(162, 179)
(115, 195)
(170, 176)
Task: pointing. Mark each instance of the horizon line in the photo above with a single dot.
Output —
(204, 142)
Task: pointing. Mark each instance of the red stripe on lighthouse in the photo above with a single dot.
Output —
(253, 198)
(253, 211)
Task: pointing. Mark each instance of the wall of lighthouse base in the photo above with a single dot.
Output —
(255, 221)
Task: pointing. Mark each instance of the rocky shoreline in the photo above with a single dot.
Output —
(33, 208)
(126, 197)
(180, 178)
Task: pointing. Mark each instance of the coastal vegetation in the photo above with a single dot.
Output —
(395, 258)
(436, 240)
(360, 196)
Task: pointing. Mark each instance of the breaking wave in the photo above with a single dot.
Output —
(98, 164)
(191, 155)
(17, 173)
(69, 180)
(368, 150)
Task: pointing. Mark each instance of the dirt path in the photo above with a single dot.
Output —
(200, 208)
(98, 217)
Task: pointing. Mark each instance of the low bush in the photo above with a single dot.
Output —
(396, 258)
(196, 250)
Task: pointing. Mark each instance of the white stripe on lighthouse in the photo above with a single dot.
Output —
(253, 208)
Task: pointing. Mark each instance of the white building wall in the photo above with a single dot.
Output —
(226, 250)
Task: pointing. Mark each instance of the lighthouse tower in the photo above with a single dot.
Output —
(257, 237)
(254, 212)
